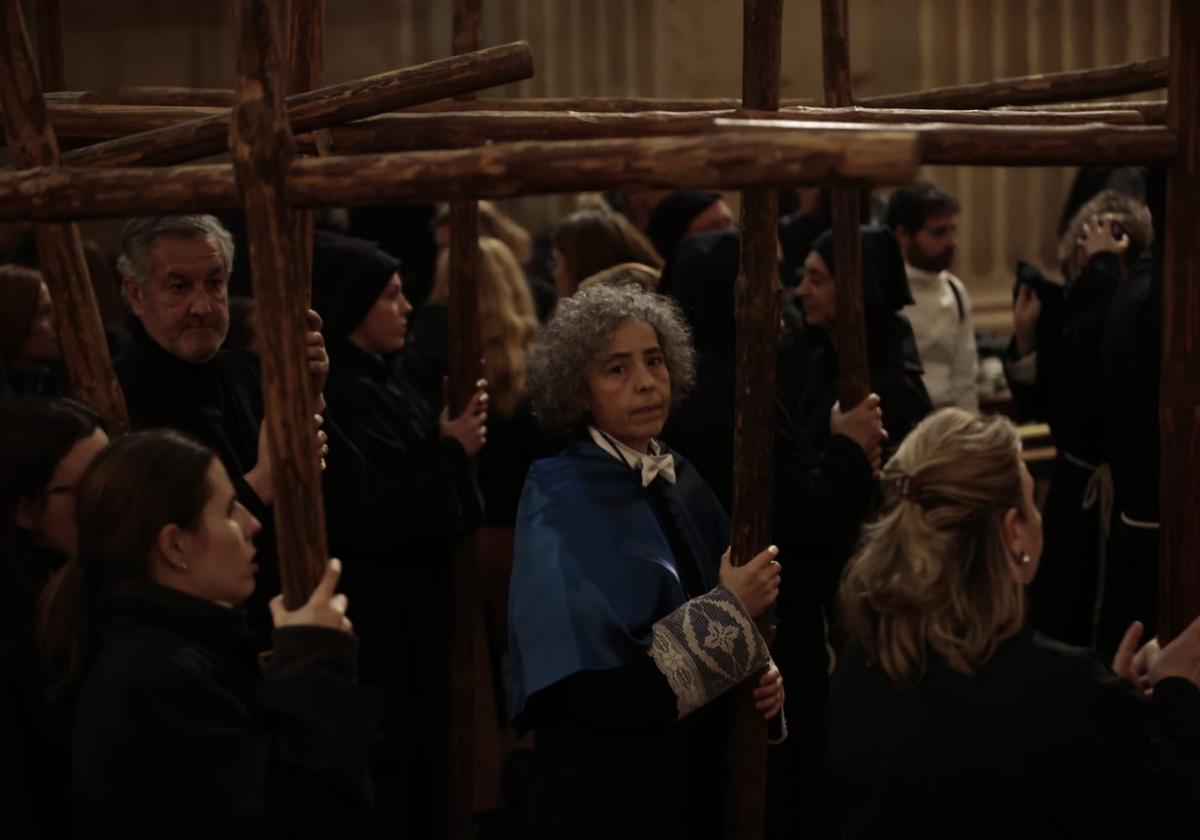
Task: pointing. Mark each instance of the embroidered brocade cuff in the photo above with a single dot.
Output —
(706, 647)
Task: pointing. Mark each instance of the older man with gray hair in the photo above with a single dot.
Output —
(175, 273)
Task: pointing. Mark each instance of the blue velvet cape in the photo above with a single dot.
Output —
(593, 567)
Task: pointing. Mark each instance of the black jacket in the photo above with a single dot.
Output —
(1043, 741)
(180, 732)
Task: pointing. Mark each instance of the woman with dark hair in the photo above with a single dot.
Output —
(949, 716)
(177, 731)
(29, 346)
(683, 213)
(425, 499)
(45, 445)
(892, 358)
(589, 241)
(626, 622)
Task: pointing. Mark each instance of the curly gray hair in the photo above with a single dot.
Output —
(139, 234)
(570, 346)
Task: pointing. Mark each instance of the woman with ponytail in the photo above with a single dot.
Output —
(178, 729)
(949, 717)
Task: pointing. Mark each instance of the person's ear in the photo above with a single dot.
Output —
(173, 543)
(135, 296)
(1012, 529)
(25, 514)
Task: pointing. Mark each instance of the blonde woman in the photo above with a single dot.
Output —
(949, 717)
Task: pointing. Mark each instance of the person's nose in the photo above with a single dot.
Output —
(200, 304)
(643, 379)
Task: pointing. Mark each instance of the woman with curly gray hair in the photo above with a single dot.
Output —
(626, 620)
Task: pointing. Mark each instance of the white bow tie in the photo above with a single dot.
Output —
(650, 466)
(653, 466)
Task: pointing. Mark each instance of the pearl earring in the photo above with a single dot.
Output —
(1025, 558)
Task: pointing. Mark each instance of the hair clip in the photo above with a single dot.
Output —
(909, 488)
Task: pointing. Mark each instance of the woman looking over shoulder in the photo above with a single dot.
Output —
(176, 729)
(949, 717)
(626, 621)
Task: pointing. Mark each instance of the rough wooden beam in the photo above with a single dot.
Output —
(1084, 145)
(1152, 110)
(731, 159)
(859, 114)
(305, 42)
(52, 59)
(169, 95)
(261, 146)
(854, 382)
(135, 95)
(756, 308)
(1037, 89)
(983, 145)
(466, 347)
(1179, 412)
(322, 107)
(32, 142)
(412, 131)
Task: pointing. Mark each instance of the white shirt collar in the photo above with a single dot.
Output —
(920, 275)
(649, 465)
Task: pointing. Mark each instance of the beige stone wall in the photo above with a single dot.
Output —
(684, 48)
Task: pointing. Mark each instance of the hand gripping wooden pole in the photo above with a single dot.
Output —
(262, 147)
(31, 142)
(756, 310)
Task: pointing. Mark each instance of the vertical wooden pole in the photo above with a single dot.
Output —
(849, 331)
(756, 307)
(262, 148)
(31, 142)
(1179, 412)
(305, 42)
(465, 351)
(51, 53)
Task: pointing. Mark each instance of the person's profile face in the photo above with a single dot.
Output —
(816, 293)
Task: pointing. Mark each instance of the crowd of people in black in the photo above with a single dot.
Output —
(949, 656)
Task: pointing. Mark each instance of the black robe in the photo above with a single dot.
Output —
(426, 500)
(219, 403)
(1043, 741)
(179, 733)
(1063, 595)
(1130, 362)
